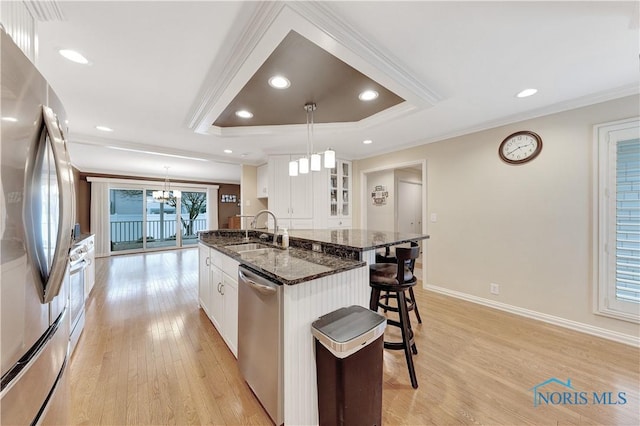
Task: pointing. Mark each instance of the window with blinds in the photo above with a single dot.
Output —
(618, 219)
(627, 252)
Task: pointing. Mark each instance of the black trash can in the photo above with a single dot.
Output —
(349, 347)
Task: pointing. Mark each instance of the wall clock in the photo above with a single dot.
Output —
(520, 147)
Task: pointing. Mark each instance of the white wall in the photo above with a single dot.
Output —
(528, 227)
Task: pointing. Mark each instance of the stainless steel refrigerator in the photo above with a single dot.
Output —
(36, 216)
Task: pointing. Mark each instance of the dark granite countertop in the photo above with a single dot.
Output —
(284, 266)
(356, 239)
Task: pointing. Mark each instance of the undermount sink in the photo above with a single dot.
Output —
(248, 247)
(259, 251)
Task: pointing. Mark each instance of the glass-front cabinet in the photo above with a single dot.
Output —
(340, 194)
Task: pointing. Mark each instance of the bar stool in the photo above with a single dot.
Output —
(388, 258)
(397, 279)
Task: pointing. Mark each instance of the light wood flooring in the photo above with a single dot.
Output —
(149, 355)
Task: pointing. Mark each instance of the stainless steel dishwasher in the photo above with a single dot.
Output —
(260, 340)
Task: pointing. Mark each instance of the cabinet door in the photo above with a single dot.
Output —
(203, 277)
(216, 303)
(230, 315)
(340, 202)
(90, 273)
(301, 196)
(279, 186)
(345, 189)
(262, 182)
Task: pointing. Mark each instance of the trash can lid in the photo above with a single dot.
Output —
(347, 328)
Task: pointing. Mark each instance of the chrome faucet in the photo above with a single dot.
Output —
(246, 228)
(275, 223)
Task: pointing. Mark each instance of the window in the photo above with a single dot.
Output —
(618, 219)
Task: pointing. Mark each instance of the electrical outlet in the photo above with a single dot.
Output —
(494, 288)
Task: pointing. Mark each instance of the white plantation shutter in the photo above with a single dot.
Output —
(618, 219)
(627, 224)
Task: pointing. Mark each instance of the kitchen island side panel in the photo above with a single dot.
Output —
(303, 304)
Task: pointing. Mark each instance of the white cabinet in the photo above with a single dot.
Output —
(262, 182)
(229, 319)
(204, 274)
(218, 293)
(90, 270)
(290, 197)
(340, 197)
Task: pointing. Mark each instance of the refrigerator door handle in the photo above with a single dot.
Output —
(52, 266)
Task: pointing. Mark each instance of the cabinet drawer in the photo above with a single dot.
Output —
(216, 258)
(230, 267)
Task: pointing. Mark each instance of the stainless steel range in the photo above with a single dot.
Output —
(77, 264)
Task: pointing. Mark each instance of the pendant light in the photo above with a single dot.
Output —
(329, 159)
(312, 161)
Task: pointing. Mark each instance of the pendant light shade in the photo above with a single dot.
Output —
(303, 165)
(293, 168)
(316, 162)
(329, 159)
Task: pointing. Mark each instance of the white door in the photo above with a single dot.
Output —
(409, 207)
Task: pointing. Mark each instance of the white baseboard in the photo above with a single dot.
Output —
(551, 319)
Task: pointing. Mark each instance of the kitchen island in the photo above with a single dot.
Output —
(321, 271)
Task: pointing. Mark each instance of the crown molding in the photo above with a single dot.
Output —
(581, 102)
(333, 25)
(44, 10)
(228, 63)
(265, 28)
(389, 114)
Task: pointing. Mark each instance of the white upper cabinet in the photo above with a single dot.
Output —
(290, 197)
(340, 202)
(262, 182)
(315, 200)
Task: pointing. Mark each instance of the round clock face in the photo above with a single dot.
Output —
(520, 147)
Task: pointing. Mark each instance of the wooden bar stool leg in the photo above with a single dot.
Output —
(406, 337)
(415, 305)
(373, 301)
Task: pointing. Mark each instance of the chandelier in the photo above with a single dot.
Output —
(312, 160)
(166, 194)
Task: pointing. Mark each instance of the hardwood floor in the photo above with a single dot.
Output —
(149, 355)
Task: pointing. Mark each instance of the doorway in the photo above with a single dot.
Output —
(409, 207)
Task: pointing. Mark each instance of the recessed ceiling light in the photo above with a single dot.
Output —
(74, 56)
(228, 151)
(10, 119)
(527, 92)
(368, 95)
(279, 82)
(104, 128)
(244, 114)
(367, 141)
